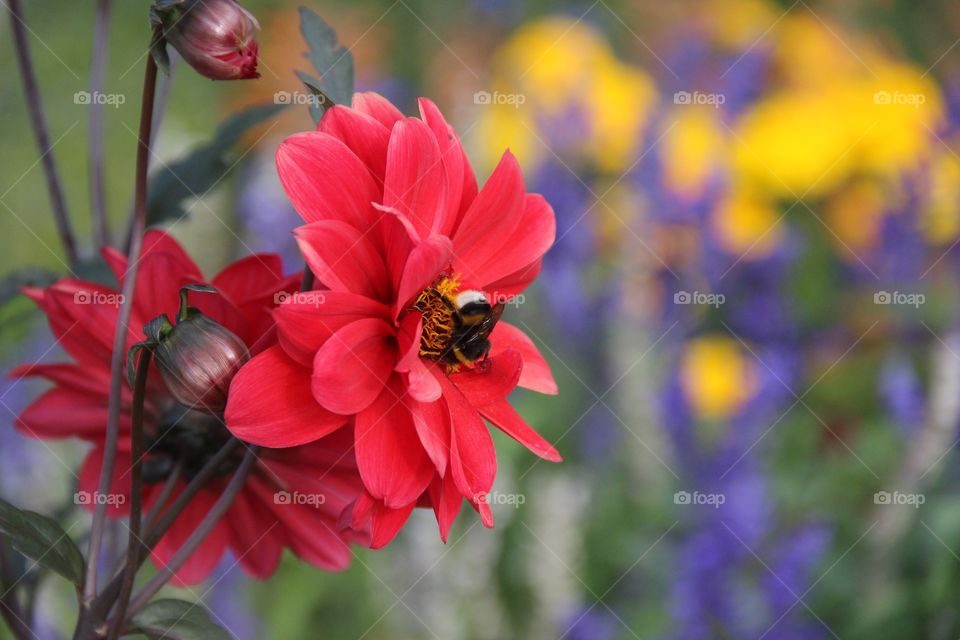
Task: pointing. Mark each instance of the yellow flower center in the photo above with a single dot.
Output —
(435, 304)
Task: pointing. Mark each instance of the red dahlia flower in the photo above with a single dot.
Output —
(417, 263)
(293, 497)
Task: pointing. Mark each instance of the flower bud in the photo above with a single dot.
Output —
(215, 37)
(197, 359)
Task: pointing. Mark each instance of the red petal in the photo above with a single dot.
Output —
(427, 260)
(491, 381)
(352, 367)
(432, 421)
(205, 558)
(88, 482)
(343, 258)
(270, 403)
(377, 107)
(473, 459)
(491, 218)
(503, 416)
(421, 384)
(531, 238)
(325, 180)
(306, 321)
(255, 537)
(65, 412)
(536, 373)
(385, 523)
(393, 463)
(415, 184)
(454, 160)
(446, 503)
(363, 134)
(250, 278)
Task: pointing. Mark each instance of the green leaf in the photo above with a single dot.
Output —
(42, 540)
(332, 62)
(11, 284)
(177, 620)
(203, 168)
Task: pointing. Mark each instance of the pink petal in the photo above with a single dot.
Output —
(363, 134)
(415, 184)
(343, 258)
(453, 159)
(325, 180)
(385, 523)
(421, 384)
(393, 463)
(536, 373)
(270, 403)
(352, 367)
(63, 412)
(306, 321)
(377, 107)
(503, 416)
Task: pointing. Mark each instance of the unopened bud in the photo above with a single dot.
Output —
(215, 37)
(198, 359)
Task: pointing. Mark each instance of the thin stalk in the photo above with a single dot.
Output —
(39, 123)
(10, 609)
(120, 332)
(163, 522)
(199, 534)
(165, 494)
(98, 69)
(136, 490)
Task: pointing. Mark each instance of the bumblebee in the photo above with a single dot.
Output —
(456, 325)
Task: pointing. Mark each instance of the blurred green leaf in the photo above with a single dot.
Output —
(41, 539)
(203, 168)
(11, 284)
(332, 61)
(177, 620)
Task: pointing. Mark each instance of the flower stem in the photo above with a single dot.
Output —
(10, 609)
(164, 495)
(39, 123)
(98, 66)
(199, 534)
(121, 330)
(136, 491)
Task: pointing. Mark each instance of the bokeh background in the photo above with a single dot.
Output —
(751, 308)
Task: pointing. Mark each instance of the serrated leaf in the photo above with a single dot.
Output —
(332, 62)
(177, 620)
(42, 540)
(202, 168)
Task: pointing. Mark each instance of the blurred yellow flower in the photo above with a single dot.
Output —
(855, 214)
(693, 149)
(748, 226)
(940, 215)
(717, 377)
(558, 68)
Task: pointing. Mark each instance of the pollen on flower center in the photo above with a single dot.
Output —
(434, 305)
